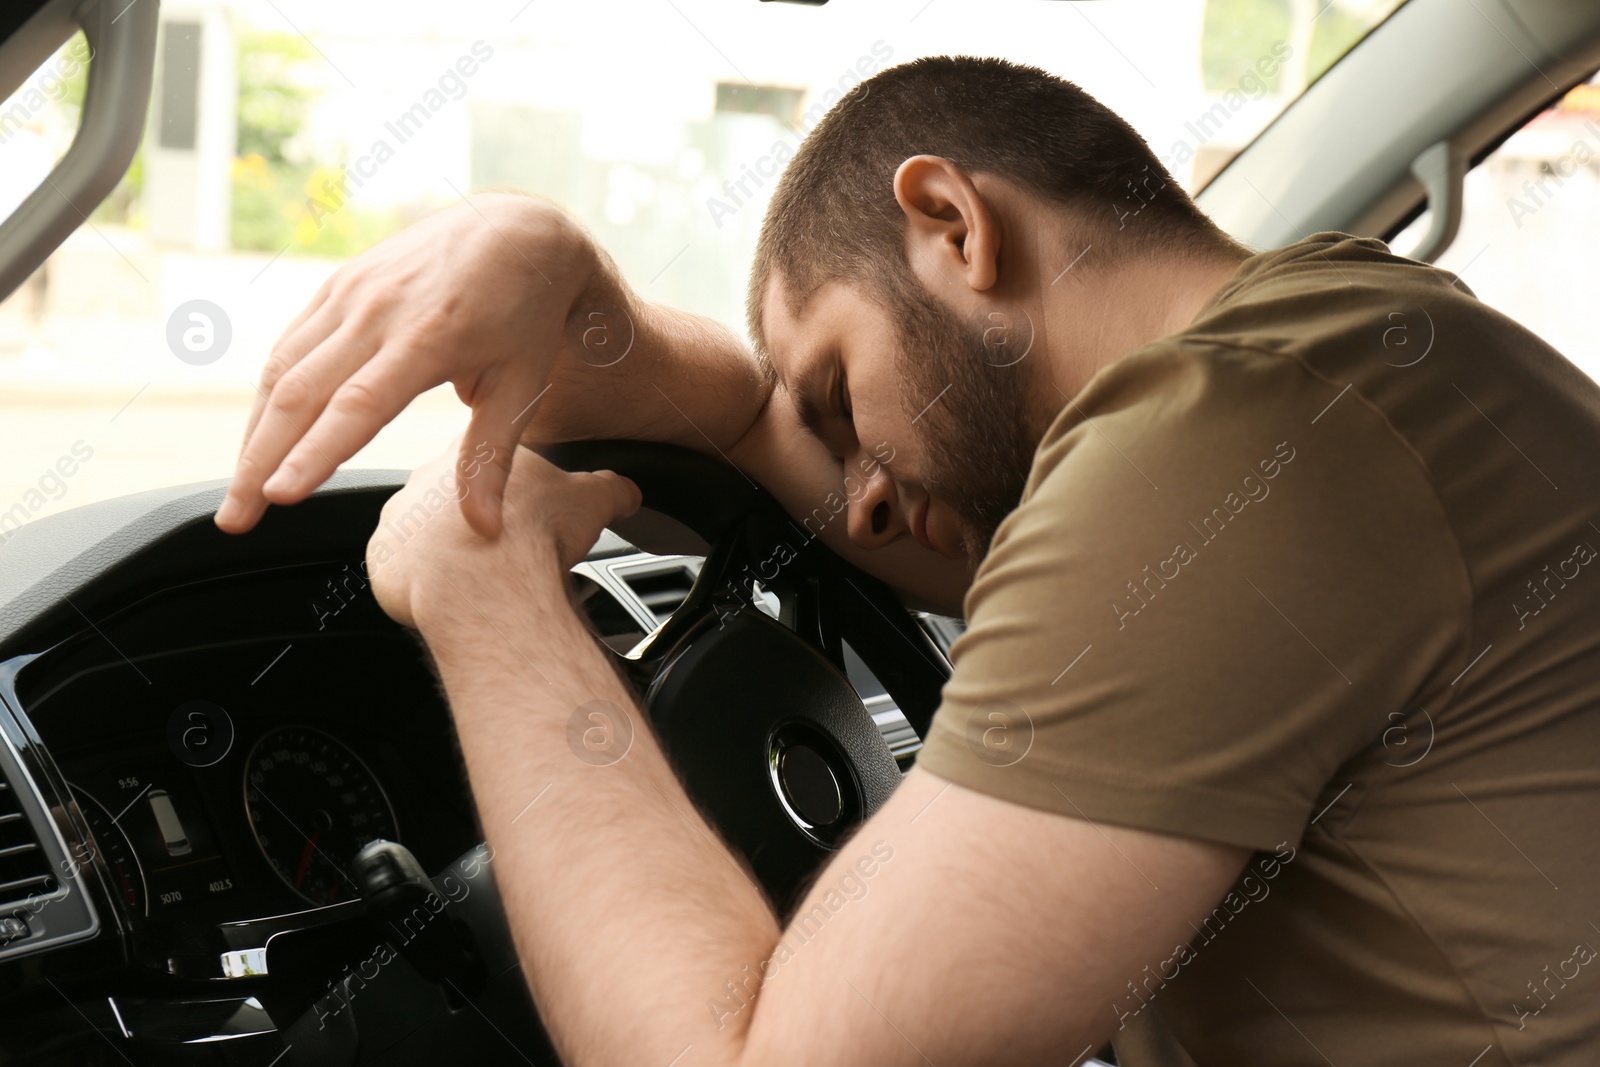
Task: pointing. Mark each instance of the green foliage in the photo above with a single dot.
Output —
(74, 84)
(1236, 33)
(1336, 33)
(273, 101)
(282, 199)
(259, 193)
(302, 208)
(273, 104)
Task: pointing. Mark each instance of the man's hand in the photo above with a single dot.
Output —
(550, 520)
(477, 295)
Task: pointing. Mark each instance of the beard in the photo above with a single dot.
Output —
(980, 435)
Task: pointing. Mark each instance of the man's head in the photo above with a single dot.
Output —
(901, 278)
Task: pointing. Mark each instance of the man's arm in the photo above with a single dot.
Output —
(953, 928)
(510, 300)
(691, 381)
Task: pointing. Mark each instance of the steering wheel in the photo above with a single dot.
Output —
(756, 714)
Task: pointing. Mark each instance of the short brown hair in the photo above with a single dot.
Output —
(833, 215)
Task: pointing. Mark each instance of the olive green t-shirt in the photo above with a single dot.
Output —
(1318, 576)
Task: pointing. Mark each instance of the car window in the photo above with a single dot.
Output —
(1529, 217)
(285, 137)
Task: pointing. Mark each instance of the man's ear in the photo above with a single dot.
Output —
(950, 228)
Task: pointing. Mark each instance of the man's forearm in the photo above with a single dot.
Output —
(627, 910)
(644, 371)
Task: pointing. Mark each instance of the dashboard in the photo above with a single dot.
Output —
(198, 733)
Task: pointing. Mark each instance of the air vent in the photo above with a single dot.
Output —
(660, 590)
(25, 871)
(647, 588)
(608, 619)
(42, 902)
(886, 715)
(897, 731)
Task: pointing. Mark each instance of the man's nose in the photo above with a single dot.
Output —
(875, 518)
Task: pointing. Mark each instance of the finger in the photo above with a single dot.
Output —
(618, 497)
(507, 400)
(597, 499)
(314, 325)
(288, 411)
(244, 504)
(367, 400)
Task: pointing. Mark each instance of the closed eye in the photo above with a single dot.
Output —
(825, 412)
(843, 416)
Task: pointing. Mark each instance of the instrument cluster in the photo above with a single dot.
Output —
(310, 802)
(223, 773)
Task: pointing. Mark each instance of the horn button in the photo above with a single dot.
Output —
(806, 779)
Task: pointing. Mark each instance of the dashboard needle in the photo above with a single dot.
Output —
(305, 857)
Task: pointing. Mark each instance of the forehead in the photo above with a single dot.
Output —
(799, 340)
(838, 331)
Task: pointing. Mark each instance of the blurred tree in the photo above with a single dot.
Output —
(1239, 32)
(273, 99)
(284, 198)
(1236, 33)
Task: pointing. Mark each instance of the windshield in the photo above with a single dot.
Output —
(285, 136)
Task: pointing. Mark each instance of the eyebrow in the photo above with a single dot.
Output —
(810, 405)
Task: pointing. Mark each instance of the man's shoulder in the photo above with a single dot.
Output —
(1334, 264)
(1173, 409)
(1329, 319)
(1337, 294)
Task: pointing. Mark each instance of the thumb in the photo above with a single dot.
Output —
(499, 413)
(621, 495)
(598, 498)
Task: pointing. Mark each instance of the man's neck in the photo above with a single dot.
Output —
(1097, 318)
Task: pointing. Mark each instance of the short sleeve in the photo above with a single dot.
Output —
(1224, 574)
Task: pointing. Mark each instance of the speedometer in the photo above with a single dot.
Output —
(313, 805)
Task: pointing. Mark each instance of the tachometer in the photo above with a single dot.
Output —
(313, 805)
(112, 848)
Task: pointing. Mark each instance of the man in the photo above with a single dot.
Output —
(1281, 562)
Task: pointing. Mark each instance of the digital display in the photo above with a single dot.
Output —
(156, 806)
